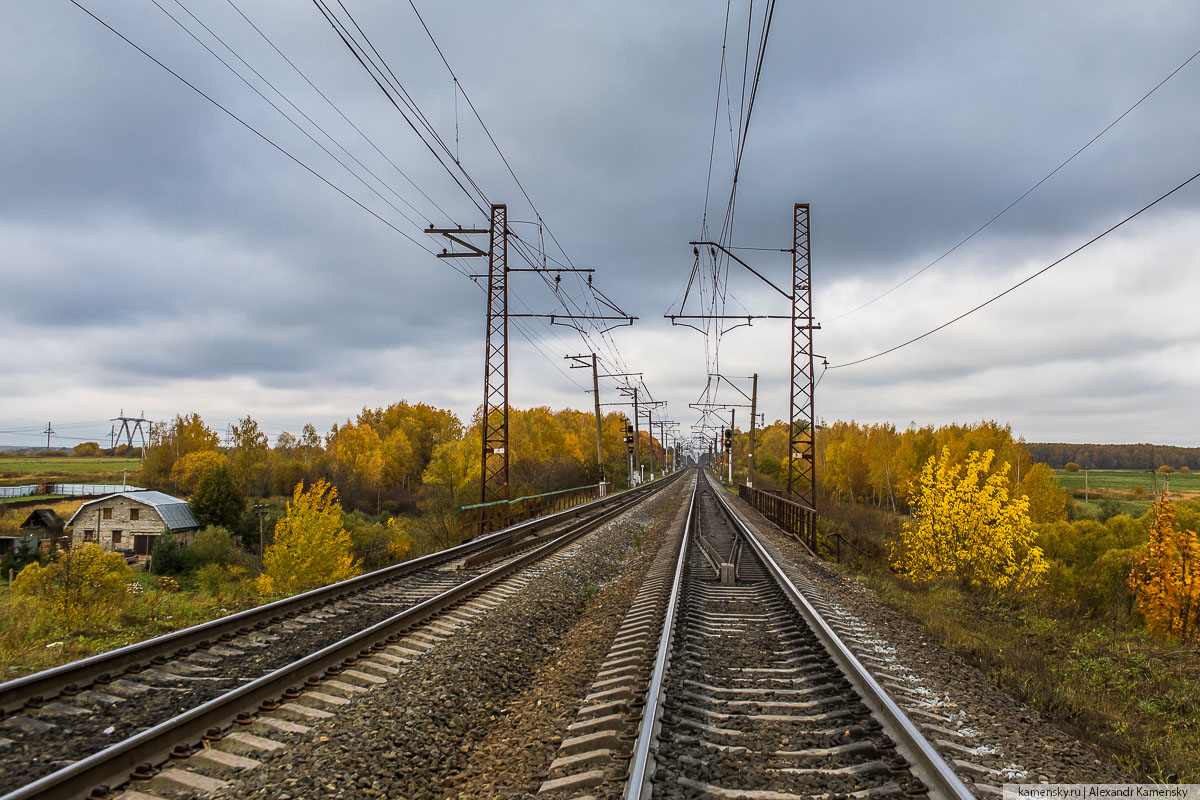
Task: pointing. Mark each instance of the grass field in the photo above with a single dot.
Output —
(17, 470)
(1119, 480)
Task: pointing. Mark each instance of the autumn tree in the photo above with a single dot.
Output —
(171, 441)
(1165, 579)
(1047, 502)
(310, 444)
(82, 584)
(449, 482)
(286, 444)
(966, 527)
(86, 449)
(358, 452)
(187, 472)
(311, 546)
(248, 457)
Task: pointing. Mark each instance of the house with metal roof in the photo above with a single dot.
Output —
(130, 521)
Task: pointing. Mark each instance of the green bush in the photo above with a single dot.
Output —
(1109, 508)
(169, 557)
(214, 545)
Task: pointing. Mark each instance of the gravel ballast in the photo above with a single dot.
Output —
(481, 714)
(1002, 739)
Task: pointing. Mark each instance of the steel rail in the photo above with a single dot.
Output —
(111, 766)
(926, 763)
(640, 769)
(15, 694)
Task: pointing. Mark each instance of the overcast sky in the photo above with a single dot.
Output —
(159, 257)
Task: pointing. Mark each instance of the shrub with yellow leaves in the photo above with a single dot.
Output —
(82, 584)
(967, 528)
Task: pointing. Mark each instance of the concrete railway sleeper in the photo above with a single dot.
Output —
(744, 691)
(308, 688)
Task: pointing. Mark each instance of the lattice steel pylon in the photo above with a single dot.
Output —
(494, 476)
(802, 472)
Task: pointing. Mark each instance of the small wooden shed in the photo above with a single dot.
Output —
(44, 522)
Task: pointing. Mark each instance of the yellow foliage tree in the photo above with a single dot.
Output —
(965, 526)
(81, 584)
(188, 470)
(1165, 579)
(311, 546)
(358, 448)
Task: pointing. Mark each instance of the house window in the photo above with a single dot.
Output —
(89, 536)
(107, 513)
(116, 538)
(135, 514)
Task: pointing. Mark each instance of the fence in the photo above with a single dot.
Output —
(484, 518)
(66, 489)
(797, 519)
(90, 489)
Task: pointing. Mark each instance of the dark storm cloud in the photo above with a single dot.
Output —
(142, 214)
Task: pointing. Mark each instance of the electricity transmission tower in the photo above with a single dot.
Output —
(802, 428)
(801, 461)
(493, 512)
(129, 427)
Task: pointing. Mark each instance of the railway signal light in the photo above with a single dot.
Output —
(728, 439)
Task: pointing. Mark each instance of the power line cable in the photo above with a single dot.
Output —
(250, 127)
(1027, 192)
(365, 61)
(504, 159)
(337, 109)
(1046, 268)
(283, 113)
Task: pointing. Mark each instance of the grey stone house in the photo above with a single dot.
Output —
(130, 521)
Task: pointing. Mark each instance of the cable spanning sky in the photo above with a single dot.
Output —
(161, 253)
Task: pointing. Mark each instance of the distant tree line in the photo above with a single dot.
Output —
(401, 458)
(1116, 456)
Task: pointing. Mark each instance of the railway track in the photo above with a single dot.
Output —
(726, 683)
(95, 722)
(753, 694)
